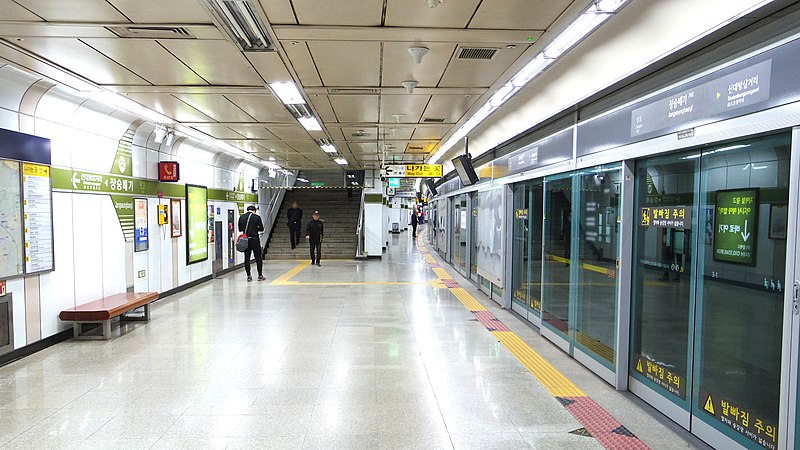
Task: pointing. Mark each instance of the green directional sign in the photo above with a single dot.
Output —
(736, 231)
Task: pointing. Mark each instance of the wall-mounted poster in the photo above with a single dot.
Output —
(778, 221)
(177, 217)
(196, 224)
(141, 241)
(491, 245)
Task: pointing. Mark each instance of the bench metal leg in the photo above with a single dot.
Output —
(143, 318)
(81, 334)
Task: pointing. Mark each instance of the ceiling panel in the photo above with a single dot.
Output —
(348, 134)
(343, 63)
(279, 11)
(216, 106)
(160, 11)
(265, 108)
(399, 65)
(148, 60)
(269, 66)
(480, 73)
(77, 57)
(355, 108)
(363, 148)
(12, 11)
(303, 64)
(218, 131)
(74, 10)
(449, 107)
(171, 107)
(248, 146)
(253, 132)
(433, 133)
(411, 106)
(450, 14)
(218, 62)
(518, 14)
(338, 12)
(394, 134)
(323, 108)
(289, 132)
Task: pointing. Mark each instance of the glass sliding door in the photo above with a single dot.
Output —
(597, 261)
(557, 263)
(459, 242)
(527, 250)
(744, 198)
(709, 289)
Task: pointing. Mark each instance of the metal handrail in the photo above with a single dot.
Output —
(275, 203)
(360, 228)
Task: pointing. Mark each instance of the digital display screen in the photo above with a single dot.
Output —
(196, 224)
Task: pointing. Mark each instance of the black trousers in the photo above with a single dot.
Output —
(253, 247)
(316, 251)
(294, 234)
(414, 228)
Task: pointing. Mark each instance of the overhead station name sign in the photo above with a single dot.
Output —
(413, 171)
(745, 87)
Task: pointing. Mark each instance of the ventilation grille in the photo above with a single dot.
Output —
(416, 150)
(152, 32)
(476, 53)
(432, 120)
(354, 91)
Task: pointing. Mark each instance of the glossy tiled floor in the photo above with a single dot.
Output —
(379, 359)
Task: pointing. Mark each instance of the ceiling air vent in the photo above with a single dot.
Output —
(416, 150)
(476, 53)
(432, 120)
(361, 134)
(353, 91)
(152, 32)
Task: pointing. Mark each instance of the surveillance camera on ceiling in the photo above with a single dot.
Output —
(434, 3)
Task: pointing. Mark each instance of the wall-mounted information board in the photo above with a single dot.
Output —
(26, 205)
(736, 233)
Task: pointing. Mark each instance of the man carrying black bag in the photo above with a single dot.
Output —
(250, 225)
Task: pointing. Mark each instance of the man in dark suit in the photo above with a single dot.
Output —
(315, 235)
(295, 216)
(250, 224)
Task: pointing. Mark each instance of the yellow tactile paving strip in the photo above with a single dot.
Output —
(467, 300)
(283, 279)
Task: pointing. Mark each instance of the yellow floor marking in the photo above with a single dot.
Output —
(553, 380)
(467, 300)
(442, 274)
(589, 267)
(291, 273)
(347, 283)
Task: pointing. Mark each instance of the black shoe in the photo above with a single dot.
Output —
(261, 278)
(319, 265)
(249, 279)
(293, 247)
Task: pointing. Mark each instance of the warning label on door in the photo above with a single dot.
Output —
(743, 421)
(661, 375)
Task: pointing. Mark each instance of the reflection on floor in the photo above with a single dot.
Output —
(387, 357)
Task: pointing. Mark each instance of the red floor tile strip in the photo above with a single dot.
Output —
(607, 430)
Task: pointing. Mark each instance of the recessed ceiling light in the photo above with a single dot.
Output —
(288, 93)
(310, 123)
(340, 161)
(511, 46)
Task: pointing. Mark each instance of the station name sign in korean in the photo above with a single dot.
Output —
(413, 171)
(736, 231)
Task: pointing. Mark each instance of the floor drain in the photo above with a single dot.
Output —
(581, 432)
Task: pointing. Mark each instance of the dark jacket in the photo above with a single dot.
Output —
(314, 231)
(414, 219)
(253, 227)
(295, 216)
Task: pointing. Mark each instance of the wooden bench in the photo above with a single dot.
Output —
(103, 310)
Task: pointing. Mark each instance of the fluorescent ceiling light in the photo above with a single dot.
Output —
(340, 161)
(310, 123)
(579, 29)
(302, 180)
(530, 70)
(288, 93)
(609, 6)
(243, 24)
(328, 148)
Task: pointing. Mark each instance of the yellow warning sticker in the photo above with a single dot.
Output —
(639, 366)
(709, 405)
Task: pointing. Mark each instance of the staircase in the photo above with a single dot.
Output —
(336, 210)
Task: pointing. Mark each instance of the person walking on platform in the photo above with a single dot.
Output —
(250, 224)
(315, 235)
(295, 216)
(414, 223)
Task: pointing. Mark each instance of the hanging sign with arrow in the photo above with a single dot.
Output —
(736, 232)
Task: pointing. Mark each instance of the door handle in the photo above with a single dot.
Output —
(795, 304)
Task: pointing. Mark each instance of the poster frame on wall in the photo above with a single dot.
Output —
(176, 221)
(144, 245)
(189, 260)
(754, 231)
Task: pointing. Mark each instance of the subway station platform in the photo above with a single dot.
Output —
(400, 353)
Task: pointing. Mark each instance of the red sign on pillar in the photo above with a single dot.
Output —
(2, 288)
(169, 171)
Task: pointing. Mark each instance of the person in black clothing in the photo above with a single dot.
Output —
(295, 216)
(250, 224)
(315, 235)
(414, 223)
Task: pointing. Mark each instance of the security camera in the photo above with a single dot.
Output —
(434, 3)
